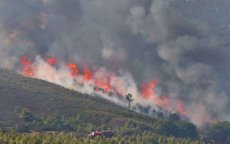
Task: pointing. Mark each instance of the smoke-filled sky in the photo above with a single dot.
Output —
(179, 43)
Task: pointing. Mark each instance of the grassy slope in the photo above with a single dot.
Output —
(41, 97)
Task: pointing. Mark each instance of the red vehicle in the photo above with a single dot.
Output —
(107, 134)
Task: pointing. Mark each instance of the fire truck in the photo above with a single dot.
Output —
(107, 134)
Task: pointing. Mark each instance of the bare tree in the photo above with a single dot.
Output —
(129, 99)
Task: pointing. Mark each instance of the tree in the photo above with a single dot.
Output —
(174, 117)
(179, 129)
(26, 115)
(129, 98)
(164, 127)
(185, 129)
(219, 132)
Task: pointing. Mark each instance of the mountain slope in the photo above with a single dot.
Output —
(38, 105)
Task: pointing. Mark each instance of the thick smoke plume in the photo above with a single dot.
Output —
(132, 42)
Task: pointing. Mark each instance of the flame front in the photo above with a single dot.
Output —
(101, 81)
(87, 74)
(28, 69)
(73, 69)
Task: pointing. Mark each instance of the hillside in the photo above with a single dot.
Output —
(25, 100)
(47, 110)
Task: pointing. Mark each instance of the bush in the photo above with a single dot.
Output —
(180, 129)
(220, 133)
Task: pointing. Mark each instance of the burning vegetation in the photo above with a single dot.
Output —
(101, 82)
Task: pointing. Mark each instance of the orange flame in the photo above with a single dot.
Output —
(149, 93)
(101, 79)
(103, 83)
(74, 69)
(27, 68)
(51, 61)
(148, 89)
(87, 74)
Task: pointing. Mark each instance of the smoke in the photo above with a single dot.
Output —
(138, 40)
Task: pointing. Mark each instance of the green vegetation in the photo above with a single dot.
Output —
(29, 104)
(180, 129)
(219, 133)
(63, 138)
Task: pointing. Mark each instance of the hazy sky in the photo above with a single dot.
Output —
(182, 44)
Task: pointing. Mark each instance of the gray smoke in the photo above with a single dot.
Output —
(152, 39)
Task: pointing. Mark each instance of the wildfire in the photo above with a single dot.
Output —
(148, 89)
(148, 92)
(52, 61)
(27, 67)
(87, 74)
(74, 69)
(100, 79)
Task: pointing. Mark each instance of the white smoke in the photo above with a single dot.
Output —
(138, 40)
